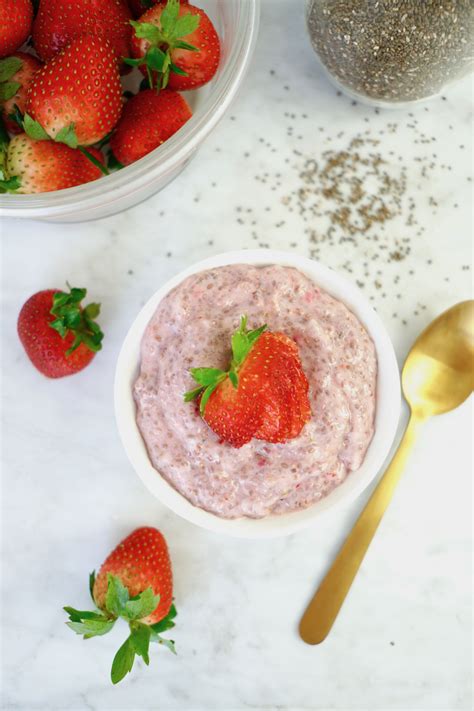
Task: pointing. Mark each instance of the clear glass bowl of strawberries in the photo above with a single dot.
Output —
(103, 102)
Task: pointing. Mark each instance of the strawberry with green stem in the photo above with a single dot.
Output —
(76, 98)
(262, 395)
(175, 45)
(135, 584)
(60, 337)
(44, 166)
(16, 76)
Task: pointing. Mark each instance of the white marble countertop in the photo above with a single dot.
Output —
(403, 639)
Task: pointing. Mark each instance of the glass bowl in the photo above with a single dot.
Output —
(236, 22)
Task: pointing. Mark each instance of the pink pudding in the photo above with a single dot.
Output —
(192, 327)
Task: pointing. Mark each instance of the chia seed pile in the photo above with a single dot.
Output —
(394, 50)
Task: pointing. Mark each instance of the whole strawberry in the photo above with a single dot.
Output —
(77, 96)
(135, 583)
(44, 166)
(58, 22)
(177, 44)
(59, 336)
(16, 75)
(16, 17)
(148, 120)
(263, 395)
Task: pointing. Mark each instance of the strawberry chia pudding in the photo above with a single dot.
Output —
(191, 327)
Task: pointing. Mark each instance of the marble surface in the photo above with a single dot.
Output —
(403, 639)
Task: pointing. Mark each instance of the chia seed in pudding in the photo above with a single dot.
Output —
(192, 327)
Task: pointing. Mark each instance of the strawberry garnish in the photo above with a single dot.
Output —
(76, 98)
(175, 45)
(134, 583)
(263, 394)
(148, 119)
(59, 336)
(16, 17)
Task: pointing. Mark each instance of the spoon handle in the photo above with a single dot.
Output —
(327, 601)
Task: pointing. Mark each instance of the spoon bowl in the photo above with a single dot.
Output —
(438, 374)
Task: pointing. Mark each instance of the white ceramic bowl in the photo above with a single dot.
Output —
(236, 22)
(386, 419)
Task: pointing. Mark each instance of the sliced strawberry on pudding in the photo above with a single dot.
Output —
(263, 394)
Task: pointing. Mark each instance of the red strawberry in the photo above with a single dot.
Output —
(148, 120)
(16, 17)
(58, 22)
(135, 582)
(78, 89)
(59, 336)
(186, 35)
(138, 7)
(264, 394)
(43, 166)
(140, 561)
(17, 87)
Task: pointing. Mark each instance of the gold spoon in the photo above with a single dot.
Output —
(438, 376)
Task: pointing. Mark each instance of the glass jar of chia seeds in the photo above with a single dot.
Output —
(392, 52)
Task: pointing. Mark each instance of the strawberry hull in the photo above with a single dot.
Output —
(191, 327)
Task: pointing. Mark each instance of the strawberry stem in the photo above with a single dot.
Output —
(72, 318)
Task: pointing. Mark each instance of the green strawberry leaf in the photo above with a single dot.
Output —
(140, 639)
(10, 185)
(68, 136)
(243, 340)
(141, 605)
(166, 623)
(113, 163)
(210, 378)
(192, 394)
(156, 59)
(4, 141)
(9, 89)
(206, 395)
(207, 376)
(116, 597)
(132, 62)
(103, 169)
(148, 31)
(123, 661)
(180, 44)
(91, 585)
(174, 68)
(9, 67)
(169, 643)
(185, 25)
(34, 129)
(80, 615)
(16, 116)
(92, 628)
(169, 17)
(70, 318)
(89, 624)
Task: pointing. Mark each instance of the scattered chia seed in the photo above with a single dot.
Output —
(393, 50)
